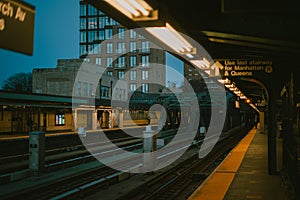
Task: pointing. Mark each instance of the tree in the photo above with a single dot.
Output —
(19, 82)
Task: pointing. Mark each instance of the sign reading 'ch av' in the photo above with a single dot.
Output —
(17, 26)
(244, 67)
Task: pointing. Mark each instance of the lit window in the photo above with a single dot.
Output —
(59, 119)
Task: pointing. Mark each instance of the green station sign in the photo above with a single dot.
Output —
(17, 26)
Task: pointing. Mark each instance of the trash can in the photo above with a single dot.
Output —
(37, 152)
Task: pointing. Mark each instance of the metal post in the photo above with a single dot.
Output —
(37, 152)
(148, 146)
(272, 163)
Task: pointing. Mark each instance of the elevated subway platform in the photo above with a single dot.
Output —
(243, 174)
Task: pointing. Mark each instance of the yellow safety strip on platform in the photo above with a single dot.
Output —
(217, 184)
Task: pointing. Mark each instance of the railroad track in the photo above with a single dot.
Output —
(167, 186)
(61, 158)
(180, 181)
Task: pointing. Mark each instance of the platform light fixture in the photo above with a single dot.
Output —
(137, 10)
(202, 64)
(169, 36)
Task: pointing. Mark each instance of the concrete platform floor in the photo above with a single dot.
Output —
(243, 174)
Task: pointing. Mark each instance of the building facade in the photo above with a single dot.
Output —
(124, 53)
(62, 81)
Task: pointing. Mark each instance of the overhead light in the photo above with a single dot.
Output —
(189, 55)
(168, 35)
(204, 63)
(137, 10)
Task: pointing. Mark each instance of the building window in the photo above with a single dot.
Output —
(92, 10)
(145, 47)
(132, 61)
(92, 36)
(82, 23)
(82, 36)
(109, 61)
(121, 33)
(84, 88)
(101, 22)
(94, 49)
(132, 46)
(121, 47)
(79, 88)
(145, 75)
(101, 35)
(104, 91)
(132, 34)
(91, 89)
(145, 61)
(97, 48)
(98, 61)
(83, 50)
(121, 74)
(132, 87)
(132, 75)
(109, 47)
(59, 119)
(145, 87)
(92, 23)
(121, 61)
(110, 73)
(108, 33)
(83, 10)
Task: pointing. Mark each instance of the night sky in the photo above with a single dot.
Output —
(56, 36)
